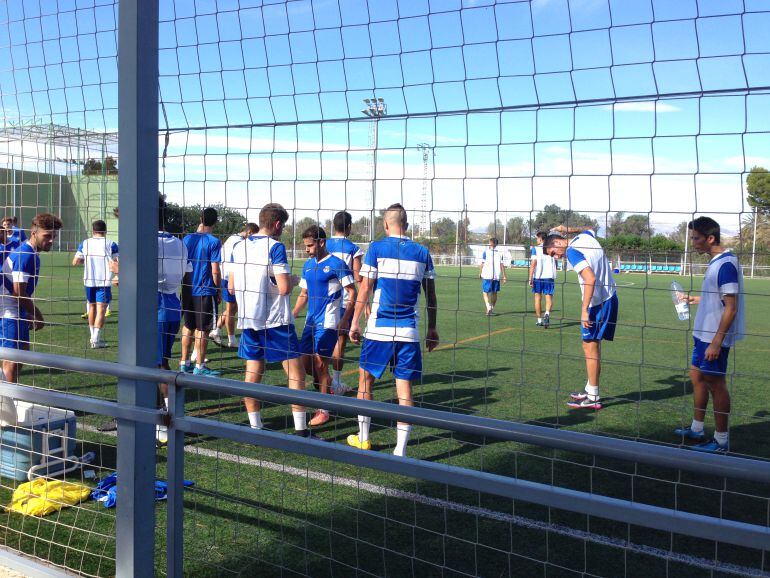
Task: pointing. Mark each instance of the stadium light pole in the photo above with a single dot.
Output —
(374, 108)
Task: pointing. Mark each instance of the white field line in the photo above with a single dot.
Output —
(703, 563)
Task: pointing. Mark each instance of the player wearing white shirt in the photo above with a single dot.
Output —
(340, 246)
(719, 323)
(599, 311)
(401, 268)
(228, 316)
(325, 278)
(261, 280)
(491, 273)
(99, 256)
(542, 273)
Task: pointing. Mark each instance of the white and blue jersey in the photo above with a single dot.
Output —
(585, 251)
(545, 265)
(254, 264)
(172, 266)
(345, 249)
(15, 239)
(203, 249)
(19, 266)
(399, 266)
(97, 254)
(324, 282)
(492, 263)
(723, 276)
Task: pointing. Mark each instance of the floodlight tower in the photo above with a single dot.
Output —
(424, 223)
(374, 108)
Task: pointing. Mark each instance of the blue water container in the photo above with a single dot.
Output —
(42, 443)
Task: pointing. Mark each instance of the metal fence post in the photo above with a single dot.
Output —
(175, 473)
(138, 201)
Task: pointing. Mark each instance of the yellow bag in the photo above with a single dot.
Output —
(41, 497)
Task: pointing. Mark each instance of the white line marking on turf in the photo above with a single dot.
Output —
(702, 563)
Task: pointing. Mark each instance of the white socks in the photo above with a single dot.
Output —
(697, 426)
(96, 333)
(592, 391)
(231, 341)
(722, 437)
(300, 420)
(402, 437)
(336, 375)
(255, 419)
(364, 422)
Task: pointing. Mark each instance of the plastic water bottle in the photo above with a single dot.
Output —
(680, 301)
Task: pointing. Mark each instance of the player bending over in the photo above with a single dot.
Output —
(599, 310)
(261, 280)
(324, 279)
(99, 255)
(340, 246)
(542, 272)
(492, 271)
(719, 323)
(400, 267)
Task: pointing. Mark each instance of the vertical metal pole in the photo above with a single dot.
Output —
(175, 468)
(684, 256)
(13, 185)
(374, 179)
(60, 215)
(138, 201)
(754, 242)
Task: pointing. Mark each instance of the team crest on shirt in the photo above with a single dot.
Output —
(327, 269)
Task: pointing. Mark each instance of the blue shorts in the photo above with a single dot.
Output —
(274, 344)
(318, 340)
(167, 331)
(14, 333)
(403, 358)
(716, 367)
(99, 294)
(605, 317)
(542, 286)
(226, 297)
(490, 285)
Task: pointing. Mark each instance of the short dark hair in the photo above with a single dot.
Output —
(47, 222)
(706, 226)
(13, 219)
(402, 216)
(314, 232)
(342, 222)
(494, 240)
(251, 228)
(541, 235)
(209, 217)
(549, 240)
(99, 226)
(271, 213)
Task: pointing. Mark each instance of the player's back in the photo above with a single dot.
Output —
(493, 262)
(227, 251)
(585, 247)
(399, 265)
(98, 254)
(545, 267)
(254, 263)
(172, 263)
(203, 249)
(343, 248)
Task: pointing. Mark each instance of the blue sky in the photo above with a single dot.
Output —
(523, 103)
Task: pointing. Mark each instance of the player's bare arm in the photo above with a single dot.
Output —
(728, 316)
(431, 338)
(26, 304)
(300, 304)
(589, 279)
(344, 325)
(361, 301)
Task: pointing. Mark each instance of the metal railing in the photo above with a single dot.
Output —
(641, 514)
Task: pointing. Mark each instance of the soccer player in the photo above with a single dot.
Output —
(15, 236)
(200, 299)
(173, 266)
(599, 310)
(99, 254)
(340, 246)
(228, 316)
(719, 323)
(542, 272)
(401, 268)
(21, 271)
(261, 280)
(324, 279)
(492, 271)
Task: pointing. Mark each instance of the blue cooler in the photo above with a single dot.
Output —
(42, 443)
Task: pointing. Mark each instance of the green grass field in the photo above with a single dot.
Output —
(245, 519)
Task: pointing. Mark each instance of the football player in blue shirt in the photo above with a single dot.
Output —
(599, 311)
(200, 300)
(20, 274)
(340, 246)
(719, 323)
(324, 279)
(15, 235)
(401, 268)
